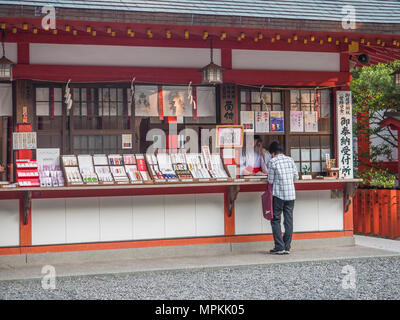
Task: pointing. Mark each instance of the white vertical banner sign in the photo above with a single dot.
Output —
(344, 134)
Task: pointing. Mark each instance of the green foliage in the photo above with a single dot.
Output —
(379, 178)
(373, 88)
(374, 93)
(306, 169)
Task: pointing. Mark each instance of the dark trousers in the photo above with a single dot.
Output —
(282, 243)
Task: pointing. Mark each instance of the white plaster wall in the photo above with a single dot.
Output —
(248, 213)
(11, 49)
(210, 215)
(285, 60)
(313, 211)
(79, 220)
(82, 220)
(48, 221)
(148, 217)
(306, 211)
(115, 218)
(9, 223)
(330, 212)
(180, 216)
(101, 55)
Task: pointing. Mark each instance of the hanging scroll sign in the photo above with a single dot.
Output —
(345, 136)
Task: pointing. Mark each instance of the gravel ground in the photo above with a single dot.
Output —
(375, 278)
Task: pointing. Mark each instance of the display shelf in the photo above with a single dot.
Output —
(197, 167)
(104, 174)
(87, 170)
(154, 169)
(69, 160)
(133, 174)
(100, 160)
(174, 168)
(27, 173)
(70, 168)
(165, 165)
(214, 165)
(129, 159)
(115, 160)
(51, 176)
(101, 168)
(141, 165)
(119, 174)
(180, 167)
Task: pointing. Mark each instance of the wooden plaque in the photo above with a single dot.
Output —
(228, 103)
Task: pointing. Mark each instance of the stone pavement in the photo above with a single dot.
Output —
(364, 247)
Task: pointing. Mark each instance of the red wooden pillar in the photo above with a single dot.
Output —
(24, 115)
(25, 231)
(24, 94)
(348, 219)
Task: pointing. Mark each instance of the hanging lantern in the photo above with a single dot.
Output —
(396, 75)
(212, 73)
(6, 65)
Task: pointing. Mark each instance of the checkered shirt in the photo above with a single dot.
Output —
(281, 173)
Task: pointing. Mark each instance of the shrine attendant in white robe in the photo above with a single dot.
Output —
(254, 162)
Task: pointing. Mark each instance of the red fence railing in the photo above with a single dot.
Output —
(377, 212)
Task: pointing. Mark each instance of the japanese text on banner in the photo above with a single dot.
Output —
(344, 134)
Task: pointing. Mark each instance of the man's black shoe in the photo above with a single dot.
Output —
(274, 251)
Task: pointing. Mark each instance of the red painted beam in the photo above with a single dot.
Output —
(106, 74)
(178, 31)
(286, 78)
(176, 75)
(197, 42)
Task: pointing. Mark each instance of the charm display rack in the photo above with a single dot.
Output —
(102, 169)
(163, 167)
(27, 173)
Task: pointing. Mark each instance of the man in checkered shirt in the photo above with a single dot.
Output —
(282, 172)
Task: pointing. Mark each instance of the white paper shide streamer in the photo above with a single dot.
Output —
(190, 96)
(67, 96)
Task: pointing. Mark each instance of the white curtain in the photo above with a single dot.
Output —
(5, 99)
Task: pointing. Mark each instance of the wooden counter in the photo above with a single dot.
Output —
(301, 184)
